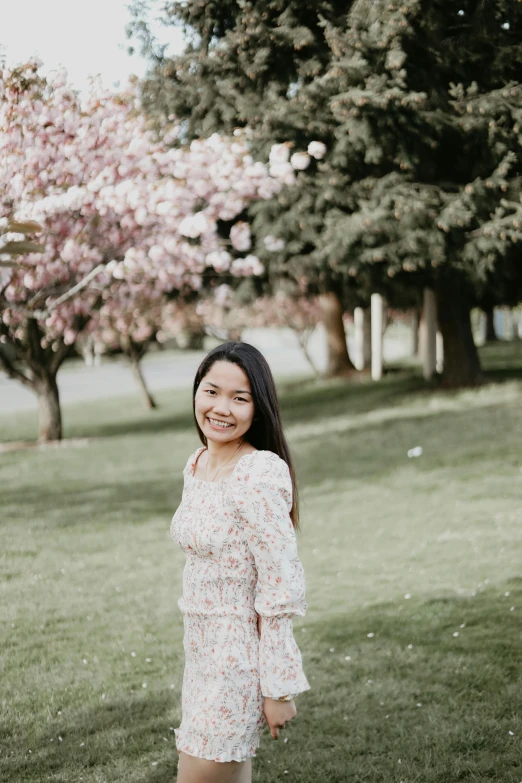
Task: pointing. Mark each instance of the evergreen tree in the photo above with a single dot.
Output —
(419, 107)
(245, 65)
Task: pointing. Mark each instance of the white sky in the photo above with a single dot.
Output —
(86, 37)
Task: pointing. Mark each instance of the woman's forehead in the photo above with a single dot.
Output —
(227, 374)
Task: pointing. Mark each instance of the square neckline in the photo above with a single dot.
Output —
(197, 455)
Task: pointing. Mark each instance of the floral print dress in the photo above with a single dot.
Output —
(241, 561)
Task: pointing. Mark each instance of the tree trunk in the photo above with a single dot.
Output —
(50, 419)
(303, 338)
(491, 334)
(339, 362)
(135, 361)
(234, 334)
(195, 339)
(461, 360)
(429, 334)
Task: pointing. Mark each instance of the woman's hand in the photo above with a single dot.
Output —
(277, 713)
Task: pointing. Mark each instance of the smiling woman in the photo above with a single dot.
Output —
(243, 580)
(221, 406)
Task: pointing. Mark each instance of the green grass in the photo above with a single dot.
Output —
(89, 576)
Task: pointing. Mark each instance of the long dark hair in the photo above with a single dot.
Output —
(266, 431)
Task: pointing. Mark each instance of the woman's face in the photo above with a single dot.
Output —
(224, 397)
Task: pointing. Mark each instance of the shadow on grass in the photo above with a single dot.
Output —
(424, 691)
(140, 422)
(328, 399)
(299, 401)
(419, 691)
(365, 451)
(95, 745)
(502, 361)
(80, 502)
(302, 399)
(310, 400)
(371, 451)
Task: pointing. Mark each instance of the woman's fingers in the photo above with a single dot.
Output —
(274, 730)
(278, 714)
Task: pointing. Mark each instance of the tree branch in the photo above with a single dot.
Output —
(68, 294)
(13, 373)
(58, 358)
(10, 263)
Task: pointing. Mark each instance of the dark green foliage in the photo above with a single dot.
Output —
(420, 107)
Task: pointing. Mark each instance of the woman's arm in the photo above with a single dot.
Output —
(264, 503)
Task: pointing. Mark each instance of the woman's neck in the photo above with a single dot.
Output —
(219, 452)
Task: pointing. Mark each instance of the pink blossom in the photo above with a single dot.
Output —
(240, 236)
(245, 267)
(300, 160)
(107, 191)
(284, 172)
(279, 153)
(317, 149)
(194, 225)
(219, 259)
(222, 295)
(273, 244)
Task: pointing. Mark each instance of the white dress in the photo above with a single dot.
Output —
(241, 560)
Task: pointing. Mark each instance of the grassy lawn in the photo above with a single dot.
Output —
(412, 639)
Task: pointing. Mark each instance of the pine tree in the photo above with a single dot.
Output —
(429, 93)
(419, 106)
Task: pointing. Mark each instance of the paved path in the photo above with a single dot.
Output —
(171, 369)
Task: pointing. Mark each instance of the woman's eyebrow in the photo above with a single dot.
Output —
(237, 391)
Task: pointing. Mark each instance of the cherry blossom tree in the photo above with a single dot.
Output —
(227, 318)
(126, 218)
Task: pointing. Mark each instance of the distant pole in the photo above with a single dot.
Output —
(362, 337)
(509, 324)
(429, 334)
(483, 328)
(377, 309)
(439, 352)
(499, 321)
(415, 329)
(367, 342)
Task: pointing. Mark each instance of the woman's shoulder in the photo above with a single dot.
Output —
(262, 465)
(191, 461)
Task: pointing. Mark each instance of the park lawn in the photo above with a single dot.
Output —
(412, 638)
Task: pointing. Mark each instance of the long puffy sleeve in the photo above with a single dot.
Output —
(264, 500)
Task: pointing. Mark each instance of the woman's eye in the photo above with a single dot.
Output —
(213, 391)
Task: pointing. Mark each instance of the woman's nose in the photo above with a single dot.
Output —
(222, 406)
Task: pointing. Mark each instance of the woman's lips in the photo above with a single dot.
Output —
(218, 427)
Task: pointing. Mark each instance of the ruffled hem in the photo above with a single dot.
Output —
(193, 748)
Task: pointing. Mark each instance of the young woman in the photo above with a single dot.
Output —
(243, 580)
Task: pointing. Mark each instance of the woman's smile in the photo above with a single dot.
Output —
(224, 392)
(219, 423)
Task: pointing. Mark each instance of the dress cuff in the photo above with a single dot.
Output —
(281, 666)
